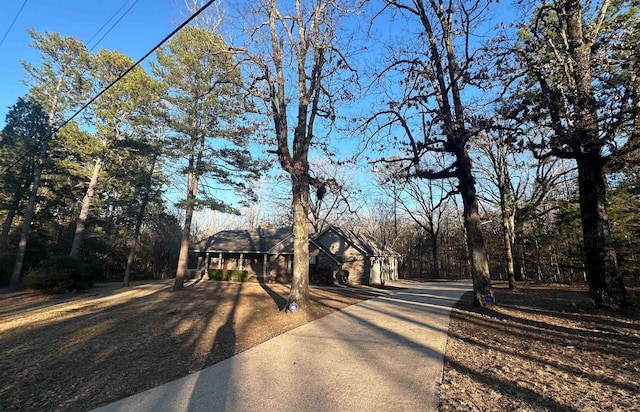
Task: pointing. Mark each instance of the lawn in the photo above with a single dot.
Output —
(79, 351)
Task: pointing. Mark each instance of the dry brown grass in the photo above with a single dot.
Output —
(543, 348)
(78, 351)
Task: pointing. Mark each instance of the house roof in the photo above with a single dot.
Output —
(367, 244)
(280, 241)
(261, 240)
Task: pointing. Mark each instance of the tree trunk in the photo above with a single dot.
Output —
(192, 191)
(181, 271)
(28, 216)
(509, 240)
(300, 282)
(483, 294)
(434, 253)
(33, 196)
(605, 283)
(8, 221)
(78, 237)
(138, 224)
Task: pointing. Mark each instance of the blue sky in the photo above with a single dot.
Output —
(146, 23)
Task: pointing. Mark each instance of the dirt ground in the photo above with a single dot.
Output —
(543, 348)
(77, 351)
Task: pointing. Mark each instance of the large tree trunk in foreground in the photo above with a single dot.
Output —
(605, 283)
(483, 294)
(78, 237)
(300, 282)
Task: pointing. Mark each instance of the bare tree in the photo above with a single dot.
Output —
(330, 202)
(425, 202)
(439, 70)
(503, 159)
(293, 53)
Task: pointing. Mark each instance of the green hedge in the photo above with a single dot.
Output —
(232, 275)
(59, 274)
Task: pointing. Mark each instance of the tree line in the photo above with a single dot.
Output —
(495, 143)
(96, 187)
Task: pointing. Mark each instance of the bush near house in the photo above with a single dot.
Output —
(343, 277)
(60, 274)
(232, 275)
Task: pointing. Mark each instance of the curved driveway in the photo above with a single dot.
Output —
(383, 354)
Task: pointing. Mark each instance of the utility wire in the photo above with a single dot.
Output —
(114, 25)
(13, 22)
(94, 98)
(108, 21)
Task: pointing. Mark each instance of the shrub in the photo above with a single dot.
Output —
(232, 275)
(343, 277)
(59, 274)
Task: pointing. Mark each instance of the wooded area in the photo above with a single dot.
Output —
(491, 149)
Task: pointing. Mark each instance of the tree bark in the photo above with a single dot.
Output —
(434, 254)
(6, 226)
(605, 283)
(138, 224)
(483, 293)
(8, 221)
(192, 191)
(78, 237)
(300, 282)
(14, 284)
(509, 240)
(193, 178)
(181, 270)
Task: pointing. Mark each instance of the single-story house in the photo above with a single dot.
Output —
(267, 253)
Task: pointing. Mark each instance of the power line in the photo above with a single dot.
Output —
(114, 25)
(108, 21)
(13, 22)
(94, 98)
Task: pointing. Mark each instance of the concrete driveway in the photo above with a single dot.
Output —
(383, 354)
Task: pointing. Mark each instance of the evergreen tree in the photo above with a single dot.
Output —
(208, 128)
(58, 85)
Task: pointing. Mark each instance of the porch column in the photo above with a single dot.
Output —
(207, 258)
(241, 261)
(219, 260)
(264, 266)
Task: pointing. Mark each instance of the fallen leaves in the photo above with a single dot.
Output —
(541, 349)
